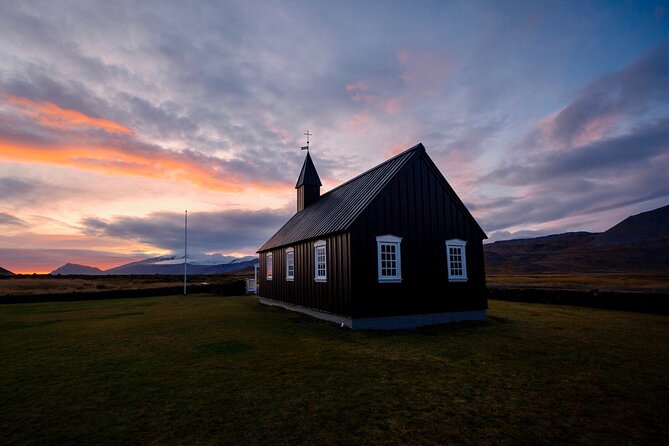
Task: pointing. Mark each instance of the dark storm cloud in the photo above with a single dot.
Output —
(227, 231)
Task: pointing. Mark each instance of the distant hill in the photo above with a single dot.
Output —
(213, 264)
(73, 269)
(639, 243)
(5, 272)
(645, 227)
(146, 267)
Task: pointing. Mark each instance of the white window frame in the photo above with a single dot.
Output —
(269, 265)
(395, 241)
(321, 245)
(456, 243)
(290, 255)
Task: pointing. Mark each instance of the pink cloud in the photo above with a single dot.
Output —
(359, 91)
(595, 130)
(460, 171)
(392, 106)
(424, 71)
(359, 123)
(551, 137)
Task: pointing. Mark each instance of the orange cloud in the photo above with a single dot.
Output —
(51, 115)
(164, 164)
(119, 153)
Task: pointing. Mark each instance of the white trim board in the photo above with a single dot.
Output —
(383, 323)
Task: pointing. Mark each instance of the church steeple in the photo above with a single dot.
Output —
(308, 184)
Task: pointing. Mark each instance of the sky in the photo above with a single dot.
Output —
(116, 117)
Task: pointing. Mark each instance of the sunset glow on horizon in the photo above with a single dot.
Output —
(544, 118)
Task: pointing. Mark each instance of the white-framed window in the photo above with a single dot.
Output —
(268, 264)
(456, 260)
(320, 261)
(389, 258)
(290, 264)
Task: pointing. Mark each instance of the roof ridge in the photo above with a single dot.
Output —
(417, 148)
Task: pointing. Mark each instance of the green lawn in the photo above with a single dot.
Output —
(213, 370)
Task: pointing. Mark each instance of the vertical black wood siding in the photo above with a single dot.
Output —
(419, 208)
(333, 296)
(306, 195)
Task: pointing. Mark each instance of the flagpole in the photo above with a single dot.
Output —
(185, 249)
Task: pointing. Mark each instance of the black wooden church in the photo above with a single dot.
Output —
(392, 248)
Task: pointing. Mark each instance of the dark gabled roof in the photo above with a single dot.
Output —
(308, 175)
(335, 210)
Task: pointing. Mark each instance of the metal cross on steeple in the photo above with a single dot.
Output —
(307, 134)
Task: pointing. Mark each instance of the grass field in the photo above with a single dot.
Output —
(46, 283)
(212, 370)
(621, 281)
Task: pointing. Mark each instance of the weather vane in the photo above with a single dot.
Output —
(307, 146)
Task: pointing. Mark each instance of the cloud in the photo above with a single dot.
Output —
(61, 143)
(10, 220)
(11, 187)
(51, 115)
(207, 104)
(563, 203)
(226, 232)
(610, 103)
(607, 150)
(642, 145)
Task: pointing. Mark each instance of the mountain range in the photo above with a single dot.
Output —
(639, 243)
(210, 264)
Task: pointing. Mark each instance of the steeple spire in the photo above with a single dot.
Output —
(308, 184)
(308, 175)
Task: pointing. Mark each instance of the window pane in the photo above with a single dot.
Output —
(320, 262)
(456, 262)
(388, 260)
(269, 265)
(290, 264)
